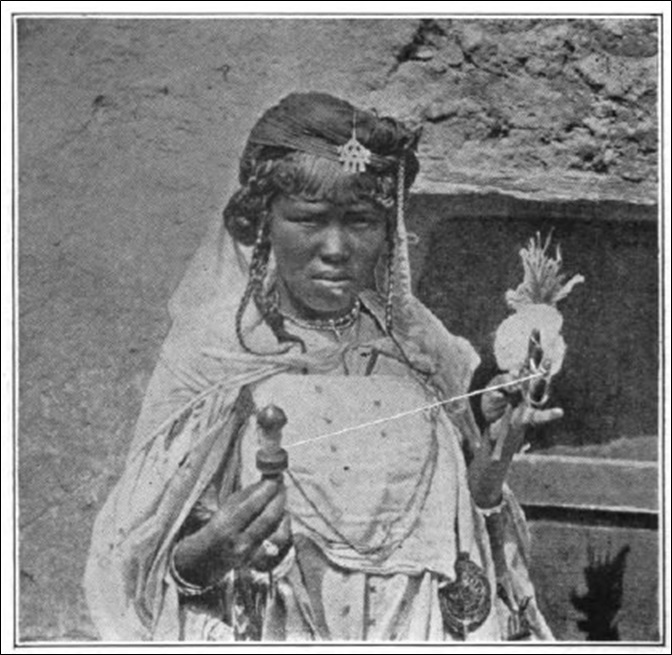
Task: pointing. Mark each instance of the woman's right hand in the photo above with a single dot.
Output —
(235, 534)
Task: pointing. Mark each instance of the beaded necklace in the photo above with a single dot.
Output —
(335, 325)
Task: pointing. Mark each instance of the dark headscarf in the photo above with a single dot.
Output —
(318, 123)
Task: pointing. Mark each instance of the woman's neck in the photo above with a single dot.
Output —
(293, 308)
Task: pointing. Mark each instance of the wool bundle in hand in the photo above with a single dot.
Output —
(535, 316)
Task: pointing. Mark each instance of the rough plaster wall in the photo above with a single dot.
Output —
(547, 109)
(129, 133)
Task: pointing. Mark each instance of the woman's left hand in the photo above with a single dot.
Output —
(507, 433)
(504, 438)
(494, 401)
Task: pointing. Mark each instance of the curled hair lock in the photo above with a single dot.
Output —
(256, 290)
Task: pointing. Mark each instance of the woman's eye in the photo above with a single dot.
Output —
(308, 219)
(362, 220)
(353, 220)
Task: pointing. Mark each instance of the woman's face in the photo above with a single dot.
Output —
(325, 253)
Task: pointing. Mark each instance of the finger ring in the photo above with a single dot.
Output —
(270, 549)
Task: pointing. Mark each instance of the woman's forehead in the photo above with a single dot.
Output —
(298, 204)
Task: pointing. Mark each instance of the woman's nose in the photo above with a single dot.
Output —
(334, 244)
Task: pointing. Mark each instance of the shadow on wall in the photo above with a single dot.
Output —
(468, 258)
(602, 603)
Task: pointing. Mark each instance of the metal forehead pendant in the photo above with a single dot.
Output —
(353, 155)
(465, 603)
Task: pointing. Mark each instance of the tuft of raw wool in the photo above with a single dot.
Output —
(534, 303)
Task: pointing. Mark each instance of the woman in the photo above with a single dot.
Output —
(379, 530)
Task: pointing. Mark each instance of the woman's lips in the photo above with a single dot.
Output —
(332, 277)
(334, 282)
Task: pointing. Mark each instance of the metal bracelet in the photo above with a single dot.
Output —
(185, 588)
(491, 511)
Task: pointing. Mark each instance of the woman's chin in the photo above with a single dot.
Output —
(333, 304)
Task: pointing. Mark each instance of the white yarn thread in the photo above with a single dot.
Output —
(416, 410)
